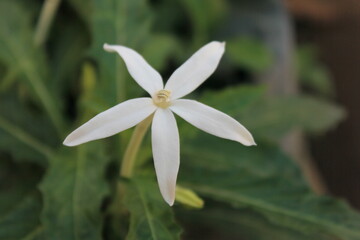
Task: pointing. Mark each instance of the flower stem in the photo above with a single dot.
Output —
(47, 15)
(132, 149)
(128, 163)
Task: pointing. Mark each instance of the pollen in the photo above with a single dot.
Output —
(162, 98)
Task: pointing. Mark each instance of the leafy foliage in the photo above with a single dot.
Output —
(249, 192)
(271, 118)
(230, 222)
(205, 15)
(20, 202)
(313, 74)
(279, 115)
(23, 59)
(121, 29)
(150, 218)
(15, 226)
(23, 129)
(267, 182)
(250, 54)
(73, 189)
(69, 43)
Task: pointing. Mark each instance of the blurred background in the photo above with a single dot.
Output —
(330, 27)
(290, 74)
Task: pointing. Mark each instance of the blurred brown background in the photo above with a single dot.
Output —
(333, 26)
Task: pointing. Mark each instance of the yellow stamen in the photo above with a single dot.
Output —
(162, 98)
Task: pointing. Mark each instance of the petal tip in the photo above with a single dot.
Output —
(170, 202)
(169, 197)
(252, 142)
(220, 44)
(247, 142)
(107, 47)
(68, 143)
(168, 193)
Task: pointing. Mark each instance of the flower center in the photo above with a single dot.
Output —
(162, 98)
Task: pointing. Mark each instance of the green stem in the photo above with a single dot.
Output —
(132, 149)
(47, 15)
(128, 163)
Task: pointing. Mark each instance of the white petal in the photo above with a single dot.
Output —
(212, 121)
(195, 70)
(147, 77)
(116, 119)
(166, 152)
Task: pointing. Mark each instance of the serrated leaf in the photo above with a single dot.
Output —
(150, 217)
(73, 190)
(266, 181)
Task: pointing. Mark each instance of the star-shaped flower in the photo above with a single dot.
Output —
(163, 102)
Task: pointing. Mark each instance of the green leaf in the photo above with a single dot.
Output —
(313, 74)
(22, 145)
(265, 180)
(151, 217)
(26, 134)
(18, 180)
(68, 44)
(226, 222)
(124, 22)
(158, 49)
(20, 202)
(73, 190)
(249, 53)
(204, 16)
(20, 55)
(272, 118)
(22, 223)
(82, 8)
(234, 99)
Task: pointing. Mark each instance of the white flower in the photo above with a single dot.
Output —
(163, 102)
